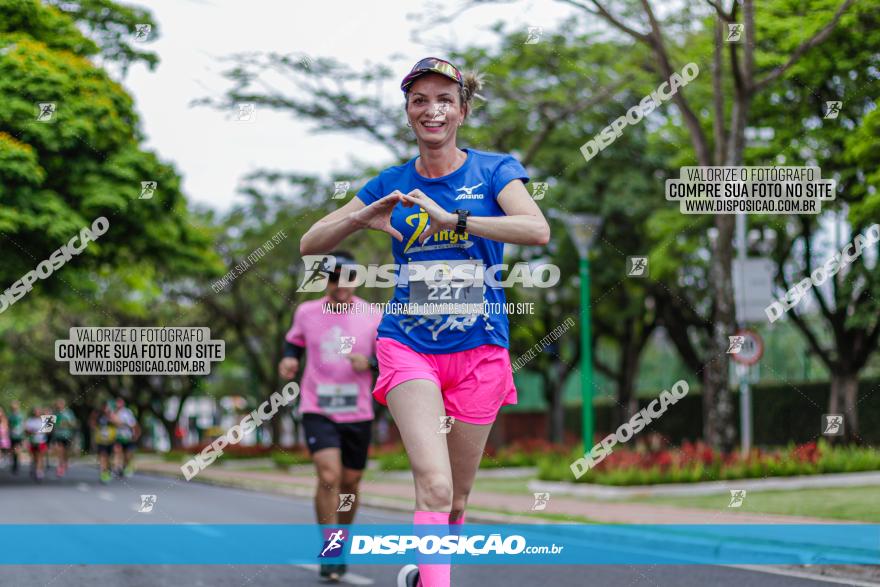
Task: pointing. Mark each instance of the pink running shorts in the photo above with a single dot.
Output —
(475, 383)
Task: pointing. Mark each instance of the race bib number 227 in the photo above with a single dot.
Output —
(445, 287)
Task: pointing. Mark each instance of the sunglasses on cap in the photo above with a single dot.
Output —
(431, 65)
(333, 269)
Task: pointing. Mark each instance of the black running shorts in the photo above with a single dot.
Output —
(353, 438)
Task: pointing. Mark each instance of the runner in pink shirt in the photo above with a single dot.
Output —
(338, 334)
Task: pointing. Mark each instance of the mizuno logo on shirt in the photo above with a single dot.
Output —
(469, 193)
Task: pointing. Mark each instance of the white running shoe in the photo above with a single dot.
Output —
(408, 576)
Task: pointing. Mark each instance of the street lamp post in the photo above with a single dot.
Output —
(586, 355)
(745, 392)
(583, 229)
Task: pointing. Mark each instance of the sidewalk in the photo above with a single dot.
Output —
(398, 494)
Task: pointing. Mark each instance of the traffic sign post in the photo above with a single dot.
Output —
(749, 354)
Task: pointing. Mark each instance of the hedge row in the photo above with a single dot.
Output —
(781, 414)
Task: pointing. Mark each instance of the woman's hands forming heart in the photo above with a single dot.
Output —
(440, 218)
(378, 214)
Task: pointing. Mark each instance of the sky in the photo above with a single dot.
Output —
(211, 150)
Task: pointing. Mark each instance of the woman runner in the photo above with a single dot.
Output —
(38, 440)
(444, 208)
(127, 433)
(16, 432)
(62, 435)
(335, 400)
(104, 431)
(5, 438)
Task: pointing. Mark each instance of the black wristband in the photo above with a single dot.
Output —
(291, 350)
(461, 225)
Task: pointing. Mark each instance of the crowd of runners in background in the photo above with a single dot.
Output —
(40, 435)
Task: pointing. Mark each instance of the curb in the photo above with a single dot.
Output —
(708, 487)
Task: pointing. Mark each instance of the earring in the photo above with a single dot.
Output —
(408, 124)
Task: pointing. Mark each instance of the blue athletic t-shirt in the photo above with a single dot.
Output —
(474, 186)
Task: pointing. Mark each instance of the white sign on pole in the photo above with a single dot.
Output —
(752, 288)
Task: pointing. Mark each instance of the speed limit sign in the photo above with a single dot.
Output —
(746, 347)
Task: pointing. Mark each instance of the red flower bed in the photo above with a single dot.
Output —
(649, 462)
(691, 454)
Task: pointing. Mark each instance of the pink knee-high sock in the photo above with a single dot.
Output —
(433, 575)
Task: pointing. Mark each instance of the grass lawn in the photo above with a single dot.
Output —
(860, 504)
(516, 485)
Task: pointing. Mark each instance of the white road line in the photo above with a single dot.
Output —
(803, 575)
(349, 577)
(106, 496)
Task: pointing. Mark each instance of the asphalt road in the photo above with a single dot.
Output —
(79, 499)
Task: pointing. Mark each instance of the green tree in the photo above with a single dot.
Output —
(112, 27)
(843, 328)
(752, 68)
(56, 177)
(87, 162)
